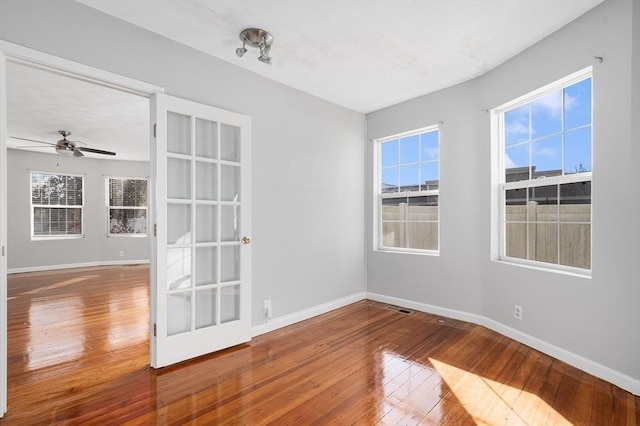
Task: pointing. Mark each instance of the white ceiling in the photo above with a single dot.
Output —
(361, 54)
(40, 102)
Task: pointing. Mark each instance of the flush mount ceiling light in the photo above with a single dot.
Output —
(255, 37)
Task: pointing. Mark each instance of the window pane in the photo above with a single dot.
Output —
(178, 133)
(516, 240)
(410, 177)
(390, 180)
(543, 242)
(547, 157)
(127, 221)
(546, 115)
(393, 214)
(422, 223)
(575, 245)
(575, 224)
(577, 101)
(127, 192)
(575, 202)
(410, 149)
(516, 163)
(577, 151)
(230, 142)
(429, 175)
(543, 204)
(516, 125)
(389, 153)
(429, 146)
(206, 138)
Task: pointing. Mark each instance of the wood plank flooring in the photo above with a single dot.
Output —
(78, 354)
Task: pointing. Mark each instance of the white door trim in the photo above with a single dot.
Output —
(3, 236)
(16, 53)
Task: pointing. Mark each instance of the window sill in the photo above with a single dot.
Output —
(56, 237)
(538, 266)
(407, 251)
(127, 235)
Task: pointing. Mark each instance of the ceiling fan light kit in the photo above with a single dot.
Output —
(256, 37)
(67, 147)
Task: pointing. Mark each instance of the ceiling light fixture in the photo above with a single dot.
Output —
(256, 37)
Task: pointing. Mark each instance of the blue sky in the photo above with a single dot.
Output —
(534, 131)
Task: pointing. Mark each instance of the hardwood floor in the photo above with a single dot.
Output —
(78, 354)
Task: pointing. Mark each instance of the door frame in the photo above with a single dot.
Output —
(33, 58)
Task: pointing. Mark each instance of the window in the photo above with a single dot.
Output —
(56, 205)
(545, 175)
(407, 191)
(126, 206)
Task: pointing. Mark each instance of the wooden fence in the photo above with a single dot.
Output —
(555, 234)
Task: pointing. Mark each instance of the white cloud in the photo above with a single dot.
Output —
(547, 152)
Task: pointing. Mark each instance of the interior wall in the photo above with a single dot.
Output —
(307, 154)
(592, 319)
(95, 247)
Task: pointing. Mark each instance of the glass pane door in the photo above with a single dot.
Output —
(202, 264)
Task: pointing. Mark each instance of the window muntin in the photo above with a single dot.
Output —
(545, 188)
(126, 206)
(407, 191)
(56, 205)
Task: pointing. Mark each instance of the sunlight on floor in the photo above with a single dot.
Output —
(491, 403)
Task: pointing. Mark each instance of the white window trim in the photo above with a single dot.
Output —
(378, 196)
(108, 207)
(498, 203)
(32, 206)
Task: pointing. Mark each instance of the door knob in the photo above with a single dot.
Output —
(246, 240)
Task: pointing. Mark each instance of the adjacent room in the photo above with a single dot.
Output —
(297, 212)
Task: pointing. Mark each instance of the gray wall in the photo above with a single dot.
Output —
(307, 156)
(95, 247)
(595, 318)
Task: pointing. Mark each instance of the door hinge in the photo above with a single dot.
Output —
(2, 251)
(155, 127)
(155, 229)
(155, 330)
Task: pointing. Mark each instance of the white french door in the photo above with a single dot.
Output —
(201, 256)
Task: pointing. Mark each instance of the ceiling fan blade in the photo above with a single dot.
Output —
(32, 140)
(95, 151)
(77, 153)
(32, 146)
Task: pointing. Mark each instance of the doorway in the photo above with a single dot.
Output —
(37, 63)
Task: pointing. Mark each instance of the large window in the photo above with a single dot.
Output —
(407, 190)
(545, 175)
(56, 205)
(126, 206)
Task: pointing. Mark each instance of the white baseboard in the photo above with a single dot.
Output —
(295, 317)
(619, 379)
(75, 265)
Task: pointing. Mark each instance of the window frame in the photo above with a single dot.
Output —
(499, 136)
(108, 207)
(378, 195)
(57, 206)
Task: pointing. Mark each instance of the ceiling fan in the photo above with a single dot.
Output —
(65, 146)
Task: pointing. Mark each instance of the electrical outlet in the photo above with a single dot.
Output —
(121, 253)
(266, 307)
(517, 312)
